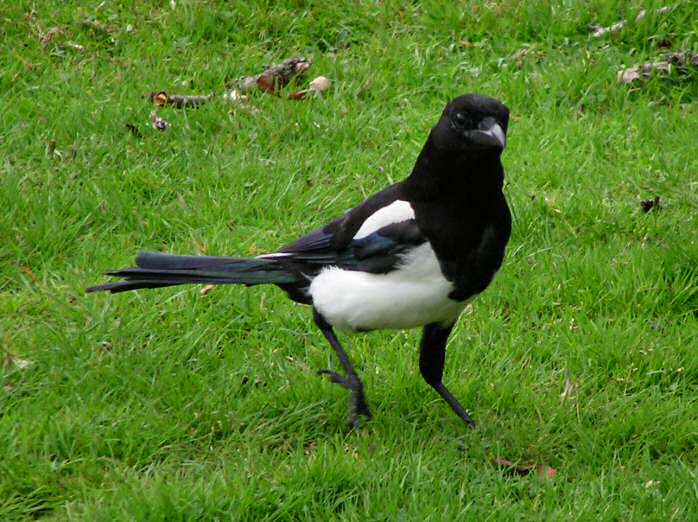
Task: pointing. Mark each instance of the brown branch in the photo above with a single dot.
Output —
(271, 79)
(542, 470)
(157, 122)
(598, 31)
(162, 99)
(680, 61)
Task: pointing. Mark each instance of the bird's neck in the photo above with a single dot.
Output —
(438, 174)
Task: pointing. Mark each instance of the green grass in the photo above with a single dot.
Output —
(172, 406)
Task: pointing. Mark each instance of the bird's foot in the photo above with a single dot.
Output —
(357, 403)
(469, 422)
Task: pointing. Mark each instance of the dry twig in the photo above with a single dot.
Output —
(157, 122)
(162, 99)
(541, 470)
(680, 61)
(598, 31)
(273, 78)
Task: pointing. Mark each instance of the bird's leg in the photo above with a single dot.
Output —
(432, 356)
(358, 404)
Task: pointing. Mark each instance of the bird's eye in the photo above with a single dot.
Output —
(461, 119)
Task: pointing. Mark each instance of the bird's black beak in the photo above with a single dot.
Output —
(489, 134)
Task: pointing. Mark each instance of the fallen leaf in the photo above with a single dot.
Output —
(680, 61)
(629, 75)
(320, 84)
(50, 147)
(598, 31)
(29, 273)
(96, 27)
(11, 360)
(157, 122)
(75, 46)
(206, 289)
(47, 37)
(134, 130)
(266, 83)
(542, 470)
(256, 383)
(317, 86)
(272, 78)
(569, 386)
(650, 204)
(235, 96)
(159, 98)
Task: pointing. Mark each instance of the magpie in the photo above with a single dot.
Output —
(412, 255)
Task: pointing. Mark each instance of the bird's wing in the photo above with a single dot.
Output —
(379, 238)
(346, 228)
(376, 252)
(372, 214)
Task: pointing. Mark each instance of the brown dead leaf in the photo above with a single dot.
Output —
(50, 148)
(680, 61)
(271, 79)
(320, 84)
(97, 27)
(650, 204)
(50, 35)
(265, 83)
(598, 31)
(159, 98)
(75, 46)
(300, 95)
(569, 386)
(133, 129)
(519, 57)
(234, 96)
(317, 86)
(541, 470)
(30, 274)
(13, 361)
(157, 122)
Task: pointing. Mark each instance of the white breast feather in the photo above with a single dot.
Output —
(413, 295)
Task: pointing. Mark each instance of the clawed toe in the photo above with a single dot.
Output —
(350, 381)
(358, 404)
(336, 378)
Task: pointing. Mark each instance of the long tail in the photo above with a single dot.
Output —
(156, 270)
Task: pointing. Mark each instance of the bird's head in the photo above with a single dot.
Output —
(472, 124)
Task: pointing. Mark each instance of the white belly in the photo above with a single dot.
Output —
(413, 295)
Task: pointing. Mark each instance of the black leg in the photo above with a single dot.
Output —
(432, 356)
(351, 381)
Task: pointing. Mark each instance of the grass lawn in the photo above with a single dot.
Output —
(171, 405)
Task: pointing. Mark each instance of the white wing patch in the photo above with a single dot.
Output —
(396, 212)
(272, 256)
(413, 295)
